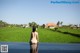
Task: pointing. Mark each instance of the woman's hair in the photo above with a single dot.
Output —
(33, 28)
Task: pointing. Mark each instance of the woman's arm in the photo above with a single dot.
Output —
(37, 37)
(30, 37)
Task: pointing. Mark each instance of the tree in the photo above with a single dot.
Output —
(3, 24)
(33, 24)
(43, 25)
(30, 24)
(59, 23)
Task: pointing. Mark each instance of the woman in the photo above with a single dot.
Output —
(34, 41)
(34, 36)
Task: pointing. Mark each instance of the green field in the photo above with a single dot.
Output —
(63, 35)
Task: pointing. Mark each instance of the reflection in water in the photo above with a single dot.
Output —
(33, 48)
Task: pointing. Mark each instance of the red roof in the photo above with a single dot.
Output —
(50, 24)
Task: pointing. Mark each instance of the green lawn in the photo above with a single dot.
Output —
(16, 34)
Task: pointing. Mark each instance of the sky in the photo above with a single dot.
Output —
(39, 11)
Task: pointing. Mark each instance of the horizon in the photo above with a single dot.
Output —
(41, 12)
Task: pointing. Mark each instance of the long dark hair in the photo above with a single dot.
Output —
(33, 28)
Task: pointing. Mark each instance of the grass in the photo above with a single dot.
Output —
(16, 34)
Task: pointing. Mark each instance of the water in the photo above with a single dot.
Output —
(23, 47)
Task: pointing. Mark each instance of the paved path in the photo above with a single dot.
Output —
(23, 47)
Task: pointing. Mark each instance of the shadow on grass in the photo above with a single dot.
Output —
(77, 35)
(72, 34)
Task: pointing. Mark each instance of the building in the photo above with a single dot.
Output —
(51, 25)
